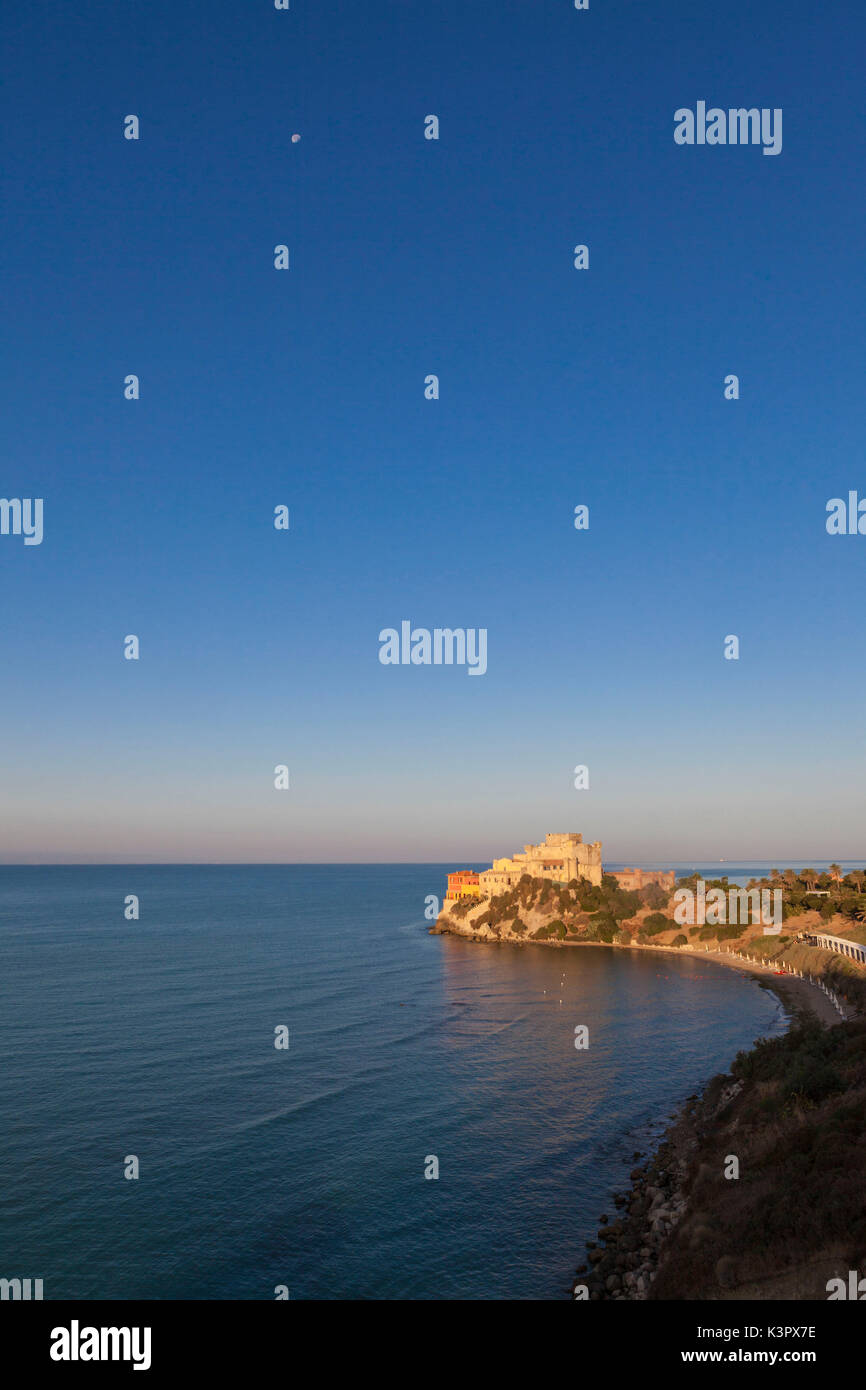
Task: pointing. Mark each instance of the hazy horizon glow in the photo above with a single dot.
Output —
(306, 388)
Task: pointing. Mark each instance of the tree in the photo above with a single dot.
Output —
(836, 875)
(809, 877)
(654, 895)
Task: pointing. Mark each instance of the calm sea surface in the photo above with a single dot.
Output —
(305, 1167)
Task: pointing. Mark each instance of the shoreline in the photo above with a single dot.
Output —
(658, 1197)
(798, 995)
(660, 1214)
(679, 1228)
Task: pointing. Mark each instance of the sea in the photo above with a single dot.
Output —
(274, 1082)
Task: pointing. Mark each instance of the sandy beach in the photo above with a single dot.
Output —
(625, 1259)
(799, 995)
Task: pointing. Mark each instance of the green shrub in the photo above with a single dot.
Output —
(728, 933)
(720, 933)
(550, 929)
(462, 906)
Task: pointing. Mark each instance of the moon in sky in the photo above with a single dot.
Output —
(295, 139)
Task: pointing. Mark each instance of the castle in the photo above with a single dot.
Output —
(642, 878)
(561, 858)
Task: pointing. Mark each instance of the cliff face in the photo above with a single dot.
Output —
(789, 1216)
(555, 914)
(756, 1191)
(518, 929)
(540, 910)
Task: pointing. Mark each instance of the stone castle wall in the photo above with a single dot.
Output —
(561, 858)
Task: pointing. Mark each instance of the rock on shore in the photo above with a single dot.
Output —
(634, 1244)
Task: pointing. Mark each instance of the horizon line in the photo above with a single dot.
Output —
(366, 863)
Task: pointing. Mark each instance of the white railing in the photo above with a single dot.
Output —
(852, 949)
(792, 970)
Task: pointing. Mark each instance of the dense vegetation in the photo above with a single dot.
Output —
(581, 911)
(808, 891)
(793, 1110)
(796, 1215)
(585, 911)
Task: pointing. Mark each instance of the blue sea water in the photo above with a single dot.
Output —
(305, 1167)
(740, 871)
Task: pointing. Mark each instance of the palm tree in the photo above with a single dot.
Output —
(835, 872)
(809, 877)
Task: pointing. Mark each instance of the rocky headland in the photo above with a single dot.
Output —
(755, 1190)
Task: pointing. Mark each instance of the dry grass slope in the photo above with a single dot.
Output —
(796, 1215)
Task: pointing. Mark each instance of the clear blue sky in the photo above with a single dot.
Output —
(305, 387)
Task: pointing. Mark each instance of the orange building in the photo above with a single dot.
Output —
(463, 884)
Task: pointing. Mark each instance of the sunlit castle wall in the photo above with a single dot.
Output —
(561, 858)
